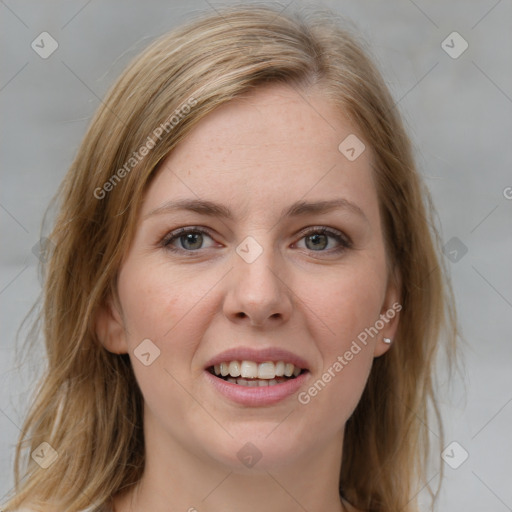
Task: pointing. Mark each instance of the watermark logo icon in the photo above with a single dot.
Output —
(454, 45)
(351, 147)
(249, 249)
(249, 455)
(45, 455)
(455, 249)
(454, 455)
(147, 352)
(44, 45)
(41, 250)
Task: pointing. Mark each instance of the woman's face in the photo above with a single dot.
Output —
(259, 241)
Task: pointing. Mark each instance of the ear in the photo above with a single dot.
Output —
(110, 328)
(389, 315)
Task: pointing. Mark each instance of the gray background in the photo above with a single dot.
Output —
(459, 115)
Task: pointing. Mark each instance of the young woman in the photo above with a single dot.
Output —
(244, 298)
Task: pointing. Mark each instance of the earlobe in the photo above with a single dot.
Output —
(110, 329)
(389, 316)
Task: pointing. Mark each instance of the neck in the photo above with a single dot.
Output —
(177, 479)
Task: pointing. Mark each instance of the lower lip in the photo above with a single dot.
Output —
(255, 396)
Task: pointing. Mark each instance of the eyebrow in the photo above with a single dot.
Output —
(297, 209)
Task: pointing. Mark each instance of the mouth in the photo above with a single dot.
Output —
(254, 374)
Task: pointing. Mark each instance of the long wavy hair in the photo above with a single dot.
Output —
(88, 406)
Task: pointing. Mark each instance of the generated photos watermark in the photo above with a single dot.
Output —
(304, 397)
(137, 156)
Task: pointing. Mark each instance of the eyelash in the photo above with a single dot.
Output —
(343, 240)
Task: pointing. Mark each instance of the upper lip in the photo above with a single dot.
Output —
(258, 356)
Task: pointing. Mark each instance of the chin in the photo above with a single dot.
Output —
(257, 452)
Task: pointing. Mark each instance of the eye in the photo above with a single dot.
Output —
(186, 239)
(192, 239)
(323, 239)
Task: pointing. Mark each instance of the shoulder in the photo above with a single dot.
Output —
(90, 509)
(24, 509)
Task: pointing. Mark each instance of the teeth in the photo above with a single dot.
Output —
(288, 369)
(249, 370)
(224, 369)
(266, 372)
(234, 369)
(256, 382)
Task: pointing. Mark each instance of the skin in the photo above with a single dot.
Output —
(256, 156)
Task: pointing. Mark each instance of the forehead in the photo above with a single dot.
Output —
(272, 146)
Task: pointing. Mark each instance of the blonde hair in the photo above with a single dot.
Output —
(169, 88)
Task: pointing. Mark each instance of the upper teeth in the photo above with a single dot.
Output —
(252, 370)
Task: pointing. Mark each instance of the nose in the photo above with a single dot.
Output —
(257, 292)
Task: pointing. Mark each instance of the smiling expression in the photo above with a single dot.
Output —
(258, 241)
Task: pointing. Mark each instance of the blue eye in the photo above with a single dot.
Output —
(192, 239)
(188, 239)
(318, 240)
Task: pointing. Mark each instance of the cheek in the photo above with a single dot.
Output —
(166, 308)
(173, 310)
(156, 301)
(344, 307)
(344, 304)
